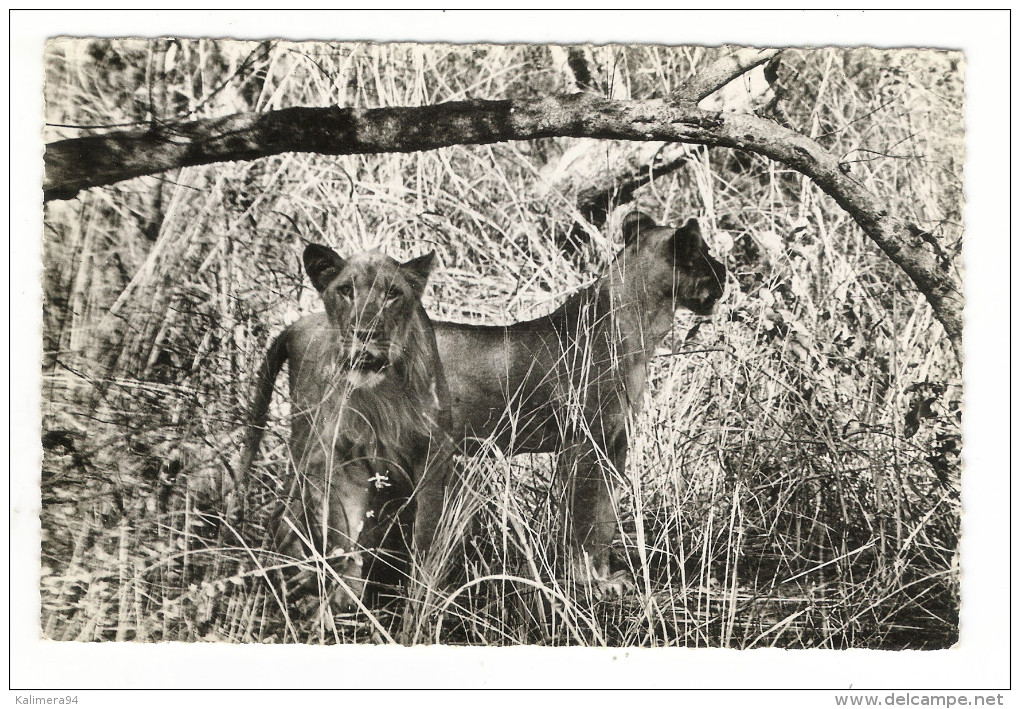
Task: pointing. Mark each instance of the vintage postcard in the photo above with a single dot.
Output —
(626, 344)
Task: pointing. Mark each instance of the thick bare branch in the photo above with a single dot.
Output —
(74, 164)
(78, 163)
(616, 184)
(904, 243)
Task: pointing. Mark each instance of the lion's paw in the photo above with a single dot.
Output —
(615, 585)
(601, 583)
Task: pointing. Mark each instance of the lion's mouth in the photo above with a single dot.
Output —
(365, 361)
(705, 307)
(702, 306)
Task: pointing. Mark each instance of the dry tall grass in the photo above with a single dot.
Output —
(794, 480)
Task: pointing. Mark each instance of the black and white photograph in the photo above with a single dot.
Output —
(546, 344)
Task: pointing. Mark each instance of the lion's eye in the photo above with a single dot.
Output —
(392, 296)
(346, 290)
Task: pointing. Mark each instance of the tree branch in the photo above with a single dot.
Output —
(617, 185)
(77, 163)
(614, 186)
(722, 72)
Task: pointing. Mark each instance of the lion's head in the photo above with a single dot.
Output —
(373, 304)
(674, 264)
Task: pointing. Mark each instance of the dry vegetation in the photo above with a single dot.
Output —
(794, 479)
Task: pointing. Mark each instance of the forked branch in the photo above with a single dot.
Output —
(79, 163)
(722, 72)
(616, 184)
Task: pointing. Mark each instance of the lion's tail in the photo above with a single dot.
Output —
(264, 384)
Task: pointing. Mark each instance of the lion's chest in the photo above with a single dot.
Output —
(371, 435)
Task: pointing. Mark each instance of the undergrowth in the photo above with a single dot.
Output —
(794, 477)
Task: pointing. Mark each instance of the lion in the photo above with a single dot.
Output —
(369, 421)
(567, 382)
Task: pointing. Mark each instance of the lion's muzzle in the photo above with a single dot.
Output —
(368, 356)
(366, 361)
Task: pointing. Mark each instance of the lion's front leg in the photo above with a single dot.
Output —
(325, 520)
(434, 477)
(592, 518)
(590, 474)
(435, 484)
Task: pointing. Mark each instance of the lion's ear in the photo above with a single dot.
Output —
(322, 264)
(417, 271)
(634, 223)
(686, 237)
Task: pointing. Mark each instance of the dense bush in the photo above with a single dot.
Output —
(795, 476)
